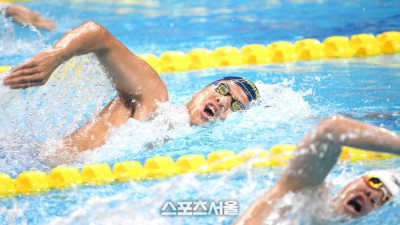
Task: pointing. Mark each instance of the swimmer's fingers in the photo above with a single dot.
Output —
(37, 69)
(46, 24)
(23, 72)
(26, 65)
(26, 85)
(26, 81)
(23, 15)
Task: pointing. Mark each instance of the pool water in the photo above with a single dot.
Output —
(295, 97)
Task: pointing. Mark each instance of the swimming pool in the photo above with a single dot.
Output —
(301, 93)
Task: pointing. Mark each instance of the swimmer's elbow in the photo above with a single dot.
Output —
(91, 23)
(95, 27)
(101, 32)
(86, 38)
(330, 127)
(91, 28)
(104, 39)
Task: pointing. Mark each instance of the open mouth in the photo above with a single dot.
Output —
(355, 204)
(210, 111)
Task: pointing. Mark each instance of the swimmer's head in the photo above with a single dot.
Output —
(367, 193)
(221, 97)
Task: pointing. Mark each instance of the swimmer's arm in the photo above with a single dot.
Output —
(22, 15)
(89, 136)
(320, 149)
(316, 155)
(132, 76)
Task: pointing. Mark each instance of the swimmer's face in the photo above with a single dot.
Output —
(208, 105)
(358, 199)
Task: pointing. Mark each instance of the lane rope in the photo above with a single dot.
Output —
(359, 45)
(157, 167)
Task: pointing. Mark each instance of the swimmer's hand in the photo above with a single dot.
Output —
(34, 72)
(23, 15)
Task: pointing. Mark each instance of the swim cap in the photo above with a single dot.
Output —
(246, 85)
(389, 179)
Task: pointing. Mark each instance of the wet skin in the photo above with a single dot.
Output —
(358, 199)
(133, 78)
(22, 15)
(315, 156)
(208, 105)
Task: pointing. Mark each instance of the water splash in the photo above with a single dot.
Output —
(14, 43)
(76, 90)
(281, 102)
(14, 215)
(58, 111)
(141, 202)
(170, 123)
(312, 206)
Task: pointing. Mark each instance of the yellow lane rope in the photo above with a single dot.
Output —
(30, 182)
(359, 45)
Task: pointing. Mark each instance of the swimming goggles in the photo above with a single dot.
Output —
(375, 183)
(223, 89)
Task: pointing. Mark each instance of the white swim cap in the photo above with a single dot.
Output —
(389, 179)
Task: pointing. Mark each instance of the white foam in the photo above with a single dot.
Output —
(3, 88)
(169, 123)
(52, 111)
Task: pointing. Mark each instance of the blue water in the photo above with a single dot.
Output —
(301, 95)
(157, 26)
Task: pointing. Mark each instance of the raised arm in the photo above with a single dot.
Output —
(132, 76)
(140, 87)
(318, 152)
(22, 15)
(316, 155)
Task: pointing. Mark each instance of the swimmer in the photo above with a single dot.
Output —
(316, 155)
(140, 88)
(22, 15)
